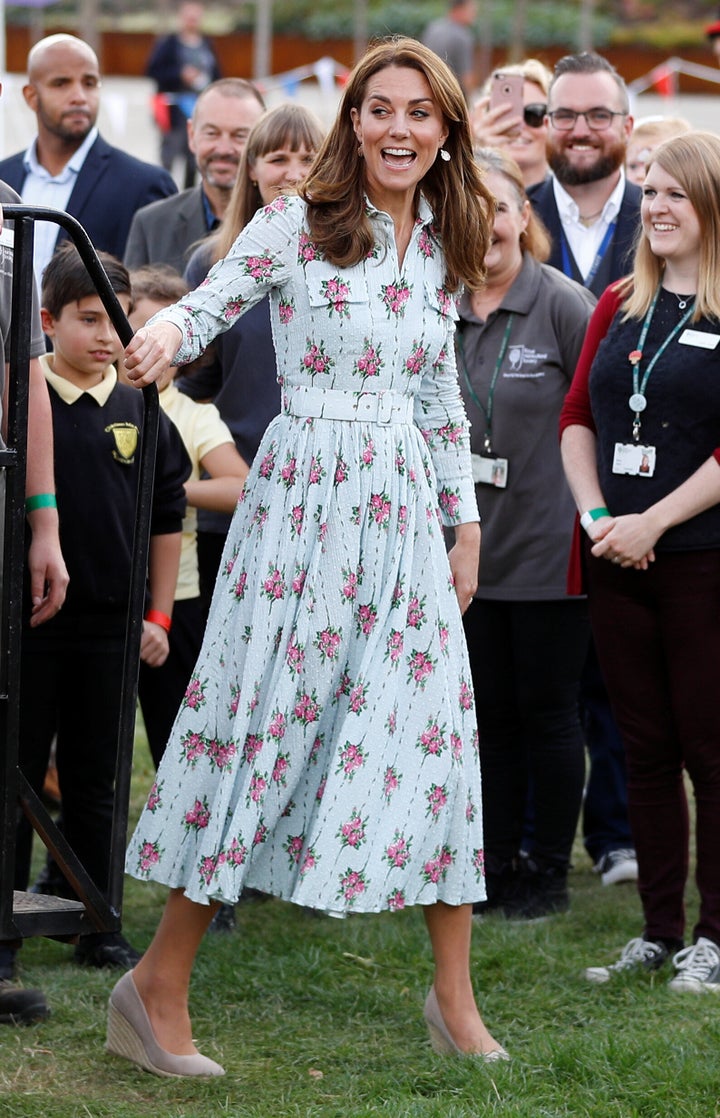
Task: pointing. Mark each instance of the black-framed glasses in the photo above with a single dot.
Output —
(534, 115)
(596, 119)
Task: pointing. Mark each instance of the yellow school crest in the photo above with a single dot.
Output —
(126, 437)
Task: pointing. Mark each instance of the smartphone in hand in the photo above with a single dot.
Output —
(507, 89)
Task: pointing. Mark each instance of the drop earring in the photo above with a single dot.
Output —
(444, 155)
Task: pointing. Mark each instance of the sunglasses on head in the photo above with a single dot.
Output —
(534, 115)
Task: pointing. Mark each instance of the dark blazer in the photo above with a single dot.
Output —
(618, 259)
(110, 187)
(166, 231)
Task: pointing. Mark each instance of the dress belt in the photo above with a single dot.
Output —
(362, 407)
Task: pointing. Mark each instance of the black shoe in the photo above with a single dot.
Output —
(224, 920)
(21, 1007)
(7, 963)
(500, 887)
(106, 949)
(541, 892)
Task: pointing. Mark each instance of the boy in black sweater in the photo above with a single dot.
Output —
(72, 666)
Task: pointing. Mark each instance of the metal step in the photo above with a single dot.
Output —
(37, 914)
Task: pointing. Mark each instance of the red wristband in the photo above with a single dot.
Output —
(159, 618)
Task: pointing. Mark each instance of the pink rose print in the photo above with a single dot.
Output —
(443, 634)
(391, 723)
(257, 790)
(357, 699)
(299, 581)
(149, 856)
(432, 739)
(315, 360)
(478, 862)
(321, 789)
(398, 594)
(289, 472)
(380, 507)
(451, 434)
(391, 781)
(352, 758)
(370, 362)
(251, 748)
(317, 473)
(444, 301)
(395, 297)
(400, 461)
(353, 884)
(425, 245)
(307, 709)
(394, 647)
(297, 514)
(310, 861)
(267, 465)
(306, 249)
(341, 471)
(436, 868)
(470, 812)
(352, 579)
(396, 901)
(230, 564)
(280, 769)
(295, 655)
(327, 642)
(278, 726)
(209, 867)
(315, 749)
(274, 585)
(193, 747)
(234, 699)
(194, 694)
(254, 699)
(421, 666)
(293, 845)
(154, 799)
(415, 362)
(261, 833)
(416, 612)
(286, 312)
(344, 686)
(260, 517)
(233, 309)
(402, 519)
(449, 501)
(436, 798)
(259, 267)
(336, 292)
(236, 853)
(198, 817)
(240, 586)
(366, 619)
(466, 695)
(368, 454)
(220, 754)
(397, 853)
(456, 746)
(352, 833)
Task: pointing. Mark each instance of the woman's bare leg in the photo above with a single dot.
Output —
(162, 976)
(450, 928)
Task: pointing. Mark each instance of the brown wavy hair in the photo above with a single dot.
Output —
(335, 188)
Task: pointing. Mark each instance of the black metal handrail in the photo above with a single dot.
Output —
(104, 912)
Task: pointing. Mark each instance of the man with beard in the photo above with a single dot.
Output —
(589, 208)
(592, 213)
(69, 166)
(165, 231)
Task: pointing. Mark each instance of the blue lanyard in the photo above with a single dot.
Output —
(566, 262)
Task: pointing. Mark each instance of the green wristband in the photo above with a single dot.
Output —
(40, 501)
(591, 515)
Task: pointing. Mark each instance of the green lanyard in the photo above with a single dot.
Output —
(487, 410)
(638, 401)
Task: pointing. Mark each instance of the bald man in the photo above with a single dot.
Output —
(68, 166)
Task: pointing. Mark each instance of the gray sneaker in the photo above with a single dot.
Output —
(617, 866)
(638, 954)
(698, 968)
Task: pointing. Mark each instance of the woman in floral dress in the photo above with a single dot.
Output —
(326, 750)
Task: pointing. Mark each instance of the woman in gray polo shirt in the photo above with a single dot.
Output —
(517, 345)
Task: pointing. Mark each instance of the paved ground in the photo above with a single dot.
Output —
(126, 120)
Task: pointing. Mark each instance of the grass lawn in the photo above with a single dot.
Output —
(320, 1018)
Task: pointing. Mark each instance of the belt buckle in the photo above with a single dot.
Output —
(385, 409)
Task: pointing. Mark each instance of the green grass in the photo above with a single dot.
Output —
(320, 1018)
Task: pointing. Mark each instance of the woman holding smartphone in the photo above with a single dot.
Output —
(515, 122)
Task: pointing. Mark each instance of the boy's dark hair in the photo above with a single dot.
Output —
(158, 282)
(66, 279)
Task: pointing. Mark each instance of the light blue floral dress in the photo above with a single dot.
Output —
(326, 748)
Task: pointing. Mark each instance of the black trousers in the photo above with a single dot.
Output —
(70, 687)
(526, 659)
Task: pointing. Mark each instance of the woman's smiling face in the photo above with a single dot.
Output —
(400, 129)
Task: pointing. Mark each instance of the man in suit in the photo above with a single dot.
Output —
(589, 208)
(592, 213)
(68, 166)
(165, 231)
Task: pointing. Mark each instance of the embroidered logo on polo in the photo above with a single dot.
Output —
(126, 437)
(524, 362)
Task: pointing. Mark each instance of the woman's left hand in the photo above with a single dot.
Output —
(630, 542)
(464, 559)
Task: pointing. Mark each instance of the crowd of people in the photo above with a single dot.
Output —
(448, 313)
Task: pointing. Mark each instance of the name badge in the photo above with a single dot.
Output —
(489, 471)
(7, 237)
(699, 338)
(638, 461)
